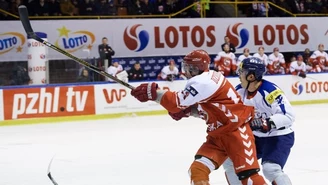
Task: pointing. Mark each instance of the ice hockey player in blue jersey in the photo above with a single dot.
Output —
(272, 124)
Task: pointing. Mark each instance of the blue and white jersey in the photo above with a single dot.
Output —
(269, 101)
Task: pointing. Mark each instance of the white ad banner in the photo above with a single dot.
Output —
(164, 37)
(37, 57)
(2, 117)
(114, 98)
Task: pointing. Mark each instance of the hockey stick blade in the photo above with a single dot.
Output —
(49, 173)
(23, 13)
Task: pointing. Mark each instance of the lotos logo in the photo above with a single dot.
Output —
(297, 88)
(238, 36)
(74, 40)
(48, 102)
(133, 41)
(10, 41)
(114, 95)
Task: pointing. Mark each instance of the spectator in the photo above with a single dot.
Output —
(54, 8)
(306, 55)
(136, 73)
(261, 55)
(231, 46)
(14, 6)
(147, 8)
(137, 9)
(160, 7)
(87, 8)
(309, 6)
(19, 76)
(319, 59)
(41, 8)
(171, 6)
(4, 5)
(318, 6)
(67, 8)
(76, 5)
(277, 64)
(102, 7)
(225, 61)
(196, 10)
(245, 54)
(113, 70)
(259, 9)
(169, 72)
(112, 9)
(298, 67)
(84, 77)
(105, 52)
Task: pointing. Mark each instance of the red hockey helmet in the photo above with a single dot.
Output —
(196, 62)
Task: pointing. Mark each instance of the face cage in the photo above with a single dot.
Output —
(190, 70)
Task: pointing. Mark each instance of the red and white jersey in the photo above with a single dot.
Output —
(216, 99)
(241, 58)
(319, 59)
(225, 62)
(166, 71)
(112, 70)
(263, 57)
(296, 69)
(276, 64)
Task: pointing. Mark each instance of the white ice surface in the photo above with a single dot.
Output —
(140, 151)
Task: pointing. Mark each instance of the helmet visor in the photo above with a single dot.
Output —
(190, 70)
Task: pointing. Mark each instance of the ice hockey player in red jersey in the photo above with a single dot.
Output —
(298, 67)
(319, 60)
(225, 62)
(277, 64)
(211, 97)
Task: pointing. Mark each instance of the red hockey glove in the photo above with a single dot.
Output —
(262, 125)
(182, 114)
(145, 92)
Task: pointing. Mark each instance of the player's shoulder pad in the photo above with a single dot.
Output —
(272, 89)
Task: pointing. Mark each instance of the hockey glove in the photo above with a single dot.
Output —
(262, 125)
(145, 92)
(302, 74)
(182, 114)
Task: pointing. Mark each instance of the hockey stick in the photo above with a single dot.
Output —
(23, 15)
(49, 173)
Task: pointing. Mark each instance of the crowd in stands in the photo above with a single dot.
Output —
(294, 6)
(98, 7)
(154, 7)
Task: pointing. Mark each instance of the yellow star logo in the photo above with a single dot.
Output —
(90, 47)
(63, 31)
(19, 49)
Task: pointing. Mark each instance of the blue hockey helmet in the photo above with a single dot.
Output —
(253, 65)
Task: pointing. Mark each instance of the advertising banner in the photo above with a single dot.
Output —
(37, 57)
(48, 102)
(166, 37)
(114, 98)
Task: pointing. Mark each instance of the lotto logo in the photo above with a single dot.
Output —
(48, 102)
